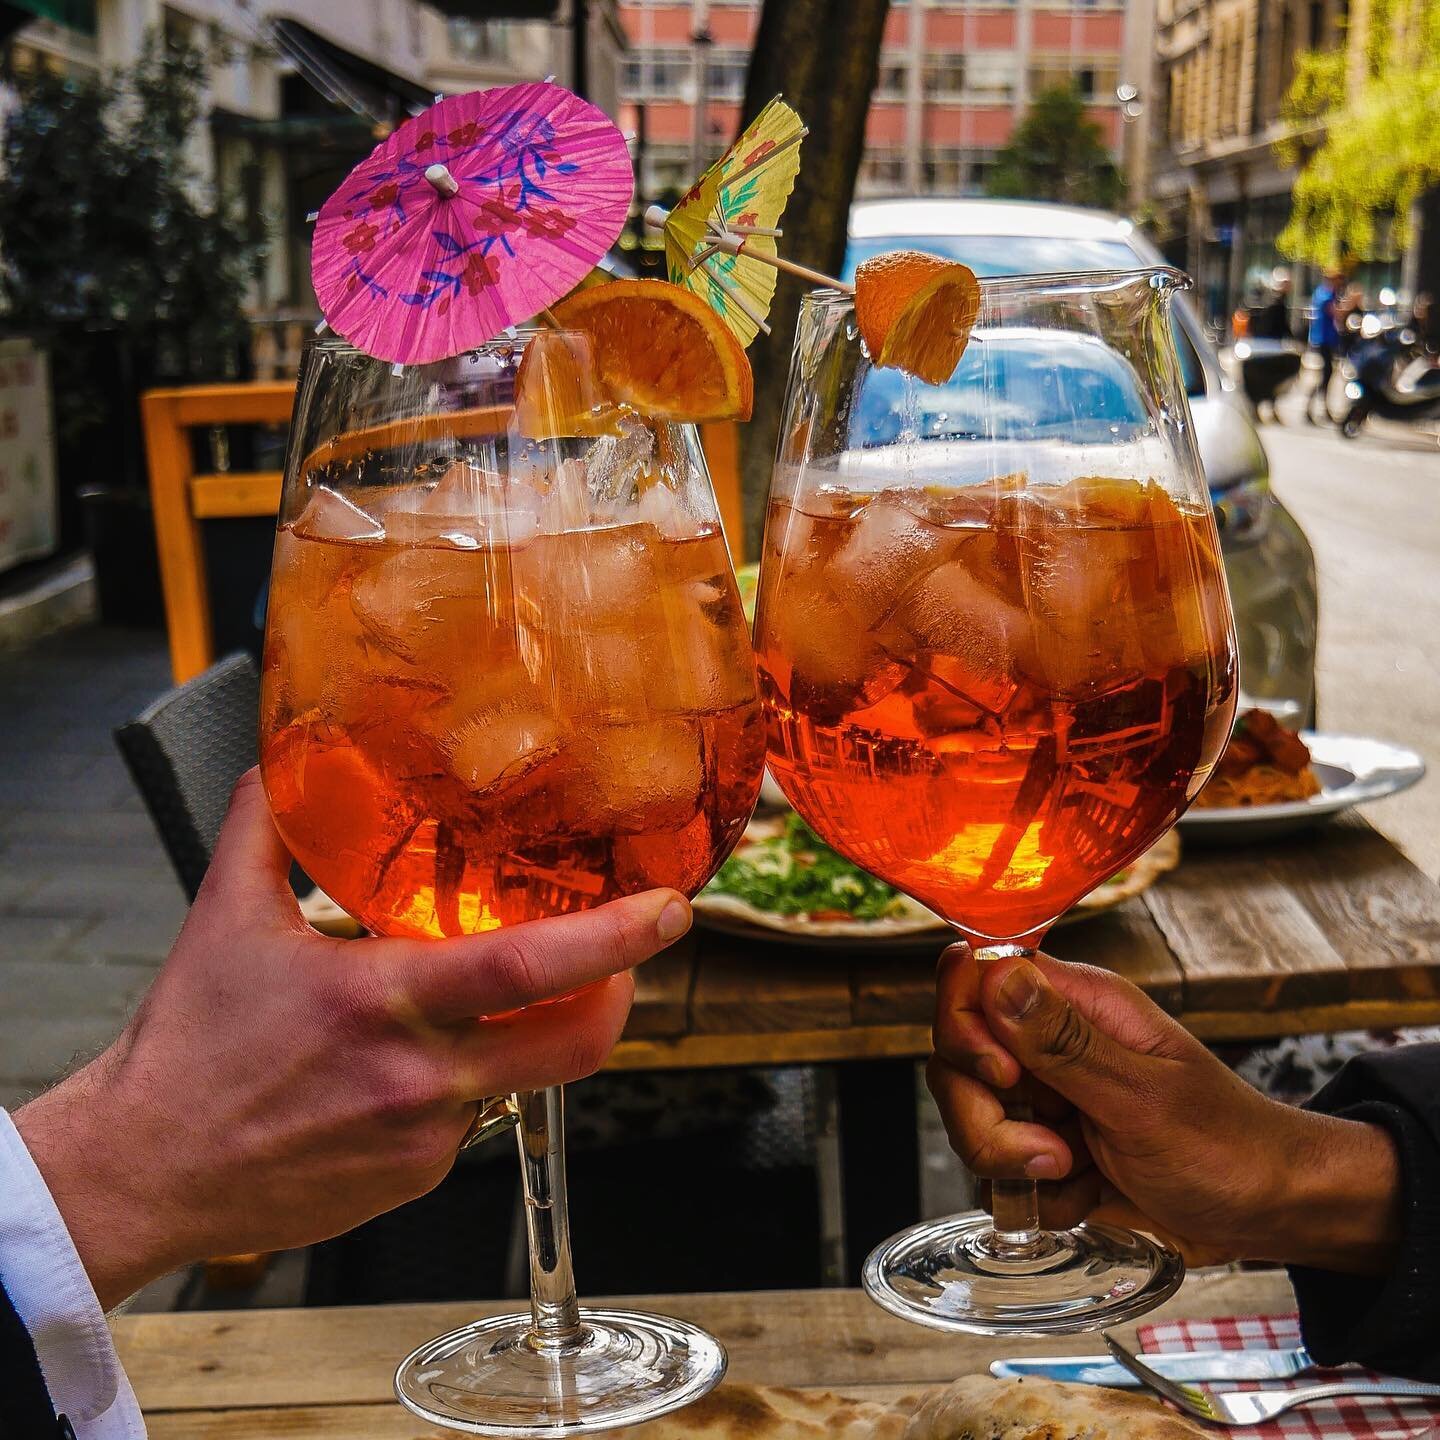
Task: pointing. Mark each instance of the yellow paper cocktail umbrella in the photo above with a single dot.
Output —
(720, 238)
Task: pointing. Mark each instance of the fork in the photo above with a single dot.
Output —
(1252, 1407)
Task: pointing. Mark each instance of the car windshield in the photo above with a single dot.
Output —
(991, 255)
(1068, 388)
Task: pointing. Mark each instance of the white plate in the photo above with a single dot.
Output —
(1351, 770)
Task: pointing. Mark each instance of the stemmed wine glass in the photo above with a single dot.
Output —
(506, 676)
(997, 660)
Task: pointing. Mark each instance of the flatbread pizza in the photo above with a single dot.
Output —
(784, 878)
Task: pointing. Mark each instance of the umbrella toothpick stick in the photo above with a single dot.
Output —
(444, 182)
(731, 240)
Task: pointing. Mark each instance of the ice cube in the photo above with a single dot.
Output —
(837, 665)
(693, 665)
(437, 608)
(887, 549)
(457, 511)
(330, 516)
(973, 638)
(661, 507)
(1081, 584)
(493, 747)
(566, 504)
(635, 778)
(587, 579)
(615, 464)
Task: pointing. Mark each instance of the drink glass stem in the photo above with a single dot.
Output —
(1014, 1203)
(554, 1308)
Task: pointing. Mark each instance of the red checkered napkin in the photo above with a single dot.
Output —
(1354, 1418)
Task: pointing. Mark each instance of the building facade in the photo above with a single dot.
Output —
(300, 90)
(954, 78)
(1219, 198)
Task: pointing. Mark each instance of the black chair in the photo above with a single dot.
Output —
(186, 750)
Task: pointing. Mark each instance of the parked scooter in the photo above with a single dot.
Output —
(1386, 382)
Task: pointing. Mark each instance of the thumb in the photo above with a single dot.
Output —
(251, 864)
(1055, 1041)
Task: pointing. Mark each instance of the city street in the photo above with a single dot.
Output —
(1371, 508)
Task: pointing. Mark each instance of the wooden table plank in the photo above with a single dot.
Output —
(1128, 941)
(1329, 930)
(752, 988)
(894, 989)
(1243, 940)
(662, 991)
(1313, 922)
(1381, 913)
(773, 1047)
(308, 1360)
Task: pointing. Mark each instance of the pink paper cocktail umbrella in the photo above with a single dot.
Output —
(470, 217)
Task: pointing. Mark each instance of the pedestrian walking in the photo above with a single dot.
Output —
(1324, 339)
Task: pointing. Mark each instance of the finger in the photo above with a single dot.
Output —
(251, 862)
(961, 1034)
(504, 970)
(1116, 1210)
(1057, 1041)
(1118, 1008)
(546, 1045)
(990, 1144)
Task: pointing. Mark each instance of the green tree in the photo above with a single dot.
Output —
(110, 254)
(1366, 132)
(1057, 153)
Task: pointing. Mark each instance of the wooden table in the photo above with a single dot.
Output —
(1333, 929)
(248, 1374)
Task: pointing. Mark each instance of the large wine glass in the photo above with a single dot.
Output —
(506, 676)
(997, 659)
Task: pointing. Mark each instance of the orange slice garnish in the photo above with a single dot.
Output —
(916, 312)
(661, 349)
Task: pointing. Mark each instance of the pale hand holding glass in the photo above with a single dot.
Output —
(997, 659)
(505, 677)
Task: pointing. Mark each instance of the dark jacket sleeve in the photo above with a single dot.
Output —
(1392, 1322)
(25, 1409)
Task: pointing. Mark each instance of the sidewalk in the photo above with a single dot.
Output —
(88, 901)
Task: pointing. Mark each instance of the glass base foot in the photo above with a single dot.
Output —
(955, 1274)
(491, 1378)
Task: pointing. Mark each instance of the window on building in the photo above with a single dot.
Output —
(883, 169)
(991, 76)
(942, 169)
(725, 74)
(890, 81)
(949, 170)
(659, 74)
(1094, 79)
(944, 75)
(484, 40)
(666, 172)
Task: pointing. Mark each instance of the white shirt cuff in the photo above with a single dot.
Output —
(56, 1303)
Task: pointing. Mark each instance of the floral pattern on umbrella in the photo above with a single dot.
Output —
(471, 217)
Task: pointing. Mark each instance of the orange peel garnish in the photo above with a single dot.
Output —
(557, 392)
(916, 311)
